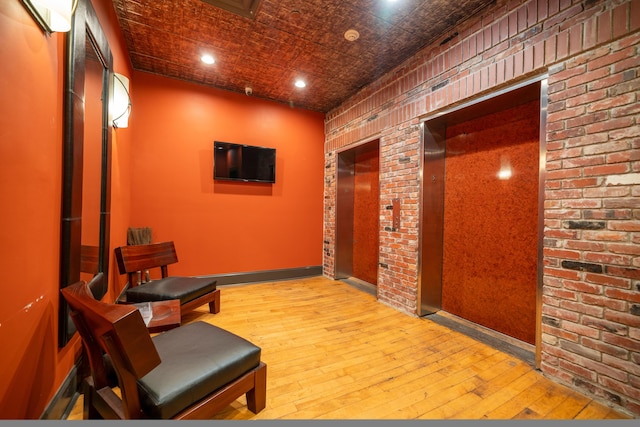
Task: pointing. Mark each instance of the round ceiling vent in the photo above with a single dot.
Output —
(351, 35)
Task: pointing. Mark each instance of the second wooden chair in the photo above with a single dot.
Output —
(192, 292)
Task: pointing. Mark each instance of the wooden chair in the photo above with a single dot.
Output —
(191, 291)
(190, 372)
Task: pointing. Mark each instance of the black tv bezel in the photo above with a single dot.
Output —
(257, 147)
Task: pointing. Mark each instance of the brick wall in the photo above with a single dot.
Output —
(590, 51)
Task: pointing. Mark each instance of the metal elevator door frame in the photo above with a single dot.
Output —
(344, 214)
(431, 178)
(432, 233)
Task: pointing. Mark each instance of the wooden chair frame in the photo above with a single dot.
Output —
(119, 330)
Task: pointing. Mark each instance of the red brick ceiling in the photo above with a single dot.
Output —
(283, 41)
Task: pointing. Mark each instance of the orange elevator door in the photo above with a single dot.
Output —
(366, 207)
(491, 220)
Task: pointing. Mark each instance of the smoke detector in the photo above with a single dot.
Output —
(351, 35)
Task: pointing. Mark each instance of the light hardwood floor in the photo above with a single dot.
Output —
(334, 352)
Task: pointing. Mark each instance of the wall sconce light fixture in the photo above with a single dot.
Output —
(121, 107)
(52, 15)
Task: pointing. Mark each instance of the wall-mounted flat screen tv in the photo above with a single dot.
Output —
(248, 163)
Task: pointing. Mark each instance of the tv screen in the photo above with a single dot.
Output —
(238, 162)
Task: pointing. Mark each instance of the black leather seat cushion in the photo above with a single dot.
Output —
(197, 359)
(183, 288)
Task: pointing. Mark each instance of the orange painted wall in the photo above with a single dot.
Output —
(31, 134)
(217, 226)
(31, 72)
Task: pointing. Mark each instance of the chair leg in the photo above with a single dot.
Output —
(214, 306)
(89, 411)
(257, 396)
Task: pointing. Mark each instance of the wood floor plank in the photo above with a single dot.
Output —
(595, 410)
(492, 396)
(570, 408)
(542, 406)
(448, 410)
(431, 380)
(335, 352)
(528, 389)
(436, 395)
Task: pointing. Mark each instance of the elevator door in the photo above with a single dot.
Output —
(489, 269)
(366, 206)
(357, 213)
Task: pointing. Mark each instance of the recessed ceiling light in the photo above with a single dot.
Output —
(300, 83)
(351, 35)
(207, 59)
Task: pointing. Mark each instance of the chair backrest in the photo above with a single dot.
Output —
(134, 258)
(118, 330)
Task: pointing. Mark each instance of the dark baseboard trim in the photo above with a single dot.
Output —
(266, 275)
(362, 285)
(502, 345)
(62, 402)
